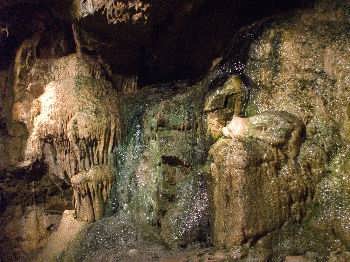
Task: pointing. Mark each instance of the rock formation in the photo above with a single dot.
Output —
(73, 126)
(290, 63)
(257, 183)
(246, 162)
(301, 66)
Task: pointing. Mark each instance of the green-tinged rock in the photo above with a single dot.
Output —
(227, 96)
(160, 164)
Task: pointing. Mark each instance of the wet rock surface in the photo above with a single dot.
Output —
(62, 126)
(72, 125)
(31, 207)
(168, 149)
(249, 164)
(256, 182)
(292, 64)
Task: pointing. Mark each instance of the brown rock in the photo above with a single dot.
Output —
(296, 259)
(221, 104)
(72, 121)
(253, 184)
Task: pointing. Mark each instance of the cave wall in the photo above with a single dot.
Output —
(196, 31)
(167, 162)
(299, 65)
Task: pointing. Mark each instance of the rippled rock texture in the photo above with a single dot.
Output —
(70, 113)
(301, 66)
(250, 163)
(65, 116)
(164, 154)
(272, 186)
(257, 183)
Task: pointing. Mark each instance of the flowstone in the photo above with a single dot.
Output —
(70, 114)
(257, 184)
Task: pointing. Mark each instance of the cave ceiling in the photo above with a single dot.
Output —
(157, 40)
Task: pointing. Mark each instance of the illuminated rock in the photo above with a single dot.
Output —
(257, 186)
(72, 120)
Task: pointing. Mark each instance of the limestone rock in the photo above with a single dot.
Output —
(66, 115)
(91, 192)
(220, 98)
(296, 259)
(164, 156)
(257, 186)
(67, 230)
(25, 231)
(116, 12)
(70, 112)
(332, 199)
(274, 128)
(222, 103)
(339, 256)
(301, 65)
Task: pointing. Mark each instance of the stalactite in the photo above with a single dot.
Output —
(91, 192)
(74, 126)
(76, 40)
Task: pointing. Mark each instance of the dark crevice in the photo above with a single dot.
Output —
(174, 161)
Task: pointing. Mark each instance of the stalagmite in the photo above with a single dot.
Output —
(91, 191)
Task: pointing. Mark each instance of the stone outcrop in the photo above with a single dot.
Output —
(62, 125)
(160, 194)
(91, 192)
(134, 11)
(278, 129)
(65, 233)
(294, 72)
(257, 185)
(164, 153)
(301, 65)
